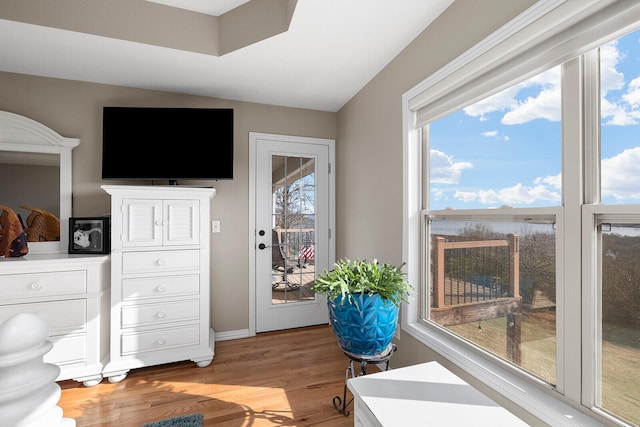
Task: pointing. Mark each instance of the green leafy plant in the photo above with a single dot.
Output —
(363, 277)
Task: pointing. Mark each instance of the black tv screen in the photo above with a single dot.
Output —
(154, 143)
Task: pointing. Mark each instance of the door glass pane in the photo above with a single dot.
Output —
(619, 123)
(293, 234)
(620, 320)
(493, 283)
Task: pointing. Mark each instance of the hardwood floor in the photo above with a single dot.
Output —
(286, 378)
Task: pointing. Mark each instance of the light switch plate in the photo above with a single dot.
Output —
(215, 226)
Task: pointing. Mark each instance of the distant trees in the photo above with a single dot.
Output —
(621, 280)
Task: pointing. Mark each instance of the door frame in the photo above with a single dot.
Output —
(254, 137)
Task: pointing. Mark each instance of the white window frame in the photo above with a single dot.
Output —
(551, 32)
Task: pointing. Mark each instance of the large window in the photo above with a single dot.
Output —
(618, 231)
(530, 224)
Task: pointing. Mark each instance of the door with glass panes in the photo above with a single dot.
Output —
(292, 216)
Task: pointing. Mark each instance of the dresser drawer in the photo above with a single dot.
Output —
(162, 286)
(61, 316)
(67, 350)
(152, 314)
(38, 285)
(160, 340)
(160, 261)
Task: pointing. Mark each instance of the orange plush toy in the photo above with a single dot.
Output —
(42, 226)
(13, 239)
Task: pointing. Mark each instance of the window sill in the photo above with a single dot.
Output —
(524, 391)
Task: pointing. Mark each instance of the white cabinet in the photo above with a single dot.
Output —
(160, 296)
(160, 222)
(71, 294)
(422, 394)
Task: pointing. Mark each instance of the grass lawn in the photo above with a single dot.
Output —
(620, 356)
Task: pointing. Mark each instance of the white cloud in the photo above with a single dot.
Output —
(466, 196)
(616, 114)
(444, 170)
(490, 134)
(611, 78)
(501, 101)
(553, 181)
(621, 174)
(515, 195)
(633, 93)
(544, 106)
(625, 110)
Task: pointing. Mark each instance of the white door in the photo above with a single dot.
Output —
(293, 213)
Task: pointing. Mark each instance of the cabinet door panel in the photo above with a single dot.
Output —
(181, 220)
(142, 223)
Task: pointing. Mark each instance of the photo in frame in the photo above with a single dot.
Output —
(89, 235)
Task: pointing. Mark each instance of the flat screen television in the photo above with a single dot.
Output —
(156, 143)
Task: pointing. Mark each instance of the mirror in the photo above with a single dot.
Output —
(35, 169)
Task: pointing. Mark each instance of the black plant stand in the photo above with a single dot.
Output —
(340, 403)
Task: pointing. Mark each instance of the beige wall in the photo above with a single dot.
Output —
(369, 153)
(74, 109)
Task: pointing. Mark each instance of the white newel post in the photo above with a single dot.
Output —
(28, 392)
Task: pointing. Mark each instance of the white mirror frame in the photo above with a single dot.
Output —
(22, 134)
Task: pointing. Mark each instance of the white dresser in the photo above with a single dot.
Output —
(160, 296)
(71, 294)
(424, 394)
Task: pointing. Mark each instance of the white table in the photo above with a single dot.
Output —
(424, 395)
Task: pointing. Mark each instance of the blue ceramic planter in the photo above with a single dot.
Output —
(364, 327)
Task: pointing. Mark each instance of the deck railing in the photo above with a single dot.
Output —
(461, 267)
(468, 285)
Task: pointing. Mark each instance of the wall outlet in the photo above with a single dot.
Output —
(215, 226)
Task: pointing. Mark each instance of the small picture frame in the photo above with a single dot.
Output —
(89, 235)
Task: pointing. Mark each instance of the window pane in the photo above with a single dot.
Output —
(493, 283)
(503, 150)
(293, 248)
(620, 118)
(620, 322)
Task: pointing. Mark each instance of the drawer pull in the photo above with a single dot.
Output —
(161, 288)
(162, 314)
(162, 341)
(161, 262)
(36, 286)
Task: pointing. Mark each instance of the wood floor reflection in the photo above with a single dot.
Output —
(285, 378)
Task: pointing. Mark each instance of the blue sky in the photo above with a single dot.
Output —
(505, 150)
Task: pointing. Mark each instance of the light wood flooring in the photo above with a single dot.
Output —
(286, 378)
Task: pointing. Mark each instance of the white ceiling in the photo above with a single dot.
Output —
(210, 7)
(331, 50)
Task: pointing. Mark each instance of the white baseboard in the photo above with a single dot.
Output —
(232, 335)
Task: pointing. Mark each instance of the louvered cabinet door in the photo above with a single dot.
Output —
(181, 222)
(142, 223)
